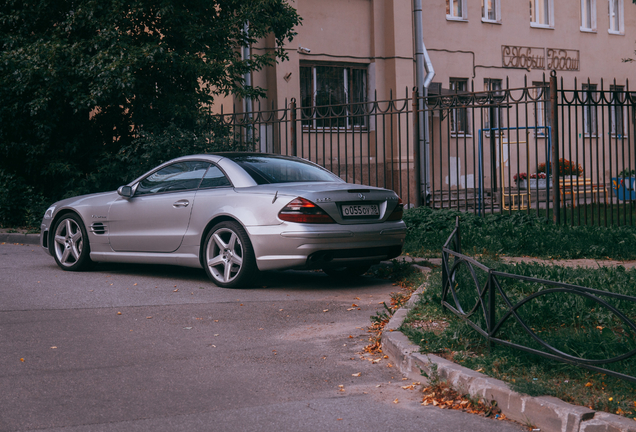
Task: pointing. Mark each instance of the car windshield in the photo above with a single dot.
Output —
(272, 169)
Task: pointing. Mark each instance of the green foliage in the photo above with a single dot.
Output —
(518, 234)
(83, 80)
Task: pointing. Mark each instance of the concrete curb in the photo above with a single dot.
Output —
(549, 414)
(32, 239)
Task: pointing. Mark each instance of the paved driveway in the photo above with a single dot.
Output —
(157, 348)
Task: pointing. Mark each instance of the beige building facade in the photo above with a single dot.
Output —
(354, 51)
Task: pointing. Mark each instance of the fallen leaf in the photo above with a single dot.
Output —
(354, 305)
(22, 360)
(175, 290)
(356, 374)
(134, 284)
(350, 309)
(118, 313)
(325, 310)
(185, 328)
(53, 347)
(589, 384)
(356, 298)
(396, 401)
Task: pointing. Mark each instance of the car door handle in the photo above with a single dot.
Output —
(181, 203)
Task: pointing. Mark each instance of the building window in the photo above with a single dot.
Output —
(490, 11)
(459, 116)
(616, 16)
(541, 13)
(618, 110)
(541, 96)
(333, 96)
(493, 87)
(589, 97)
(588, 15)
(456, 10)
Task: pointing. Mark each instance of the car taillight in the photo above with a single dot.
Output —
(301, 210)
(398, 212)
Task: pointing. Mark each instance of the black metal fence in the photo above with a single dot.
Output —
(481, 300)
(564, 154)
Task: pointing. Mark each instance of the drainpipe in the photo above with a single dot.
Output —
(422, 63)
(247, 102)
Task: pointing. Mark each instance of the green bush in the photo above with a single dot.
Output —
(20, 205)
(517, 234)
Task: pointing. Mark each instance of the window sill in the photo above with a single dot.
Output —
(456, 19)
(460, 135)
(588, 30)
(617, 33)
(541, 26)
(489, 21)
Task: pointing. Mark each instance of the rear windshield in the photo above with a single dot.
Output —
(271, 169)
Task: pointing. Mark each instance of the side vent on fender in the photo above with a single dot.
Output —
(98, 228)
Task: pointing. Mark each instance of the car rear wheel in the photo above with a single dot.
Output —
(70, 246)
(229, 256)
(347, 272)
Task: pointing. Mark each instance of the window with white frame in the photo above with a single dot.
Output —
(490, 10)
(493, 87)
(456, 10)
(541, 13)
(540, 97)
(618, 111)
(588, 15)
(589, 98)
(459, 116)
(333, 96)
(616, 16)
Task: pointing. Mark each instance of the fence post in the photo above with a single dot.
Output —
(554, 126)
(490, 286)
(417, 158)
(458, 236)
(292, 125)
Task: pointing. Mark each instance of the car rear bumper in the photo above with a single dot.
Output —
(319, 246)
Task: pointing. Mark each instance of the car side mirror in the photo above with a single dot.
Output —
(125, 191)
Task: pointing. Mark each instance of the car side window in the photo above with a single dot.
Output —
(176, 177)
(214, 178)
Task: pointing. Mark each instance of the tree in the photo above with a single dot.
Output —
(80, 80)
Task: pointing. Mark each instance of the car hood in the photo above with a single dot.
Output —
(90, 199)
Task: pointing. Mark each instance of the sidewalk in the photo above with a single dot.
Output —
(19, 237)
(545, 414)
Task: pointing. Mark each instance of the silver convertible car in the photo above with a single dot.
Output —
(232, 214)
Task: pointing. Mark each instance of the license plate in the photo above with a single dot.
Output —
(354, 210)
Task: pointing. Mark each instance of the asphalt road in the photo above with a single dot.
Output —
(158, 348)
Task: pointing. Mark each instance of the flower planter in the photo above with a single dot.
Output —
(624, 188)
(535, 184)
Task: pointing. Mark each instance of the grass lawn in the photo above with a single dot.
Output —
(573, 324)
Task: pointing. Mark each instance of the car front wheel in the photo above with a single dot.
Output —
(70, 246)
(229, 256)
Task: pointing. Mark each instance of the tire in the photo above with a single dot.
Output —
(69, 244)
(347, 272)
(228, 256)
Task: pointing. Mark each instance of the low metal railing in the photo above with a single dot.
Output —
(493, 307)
